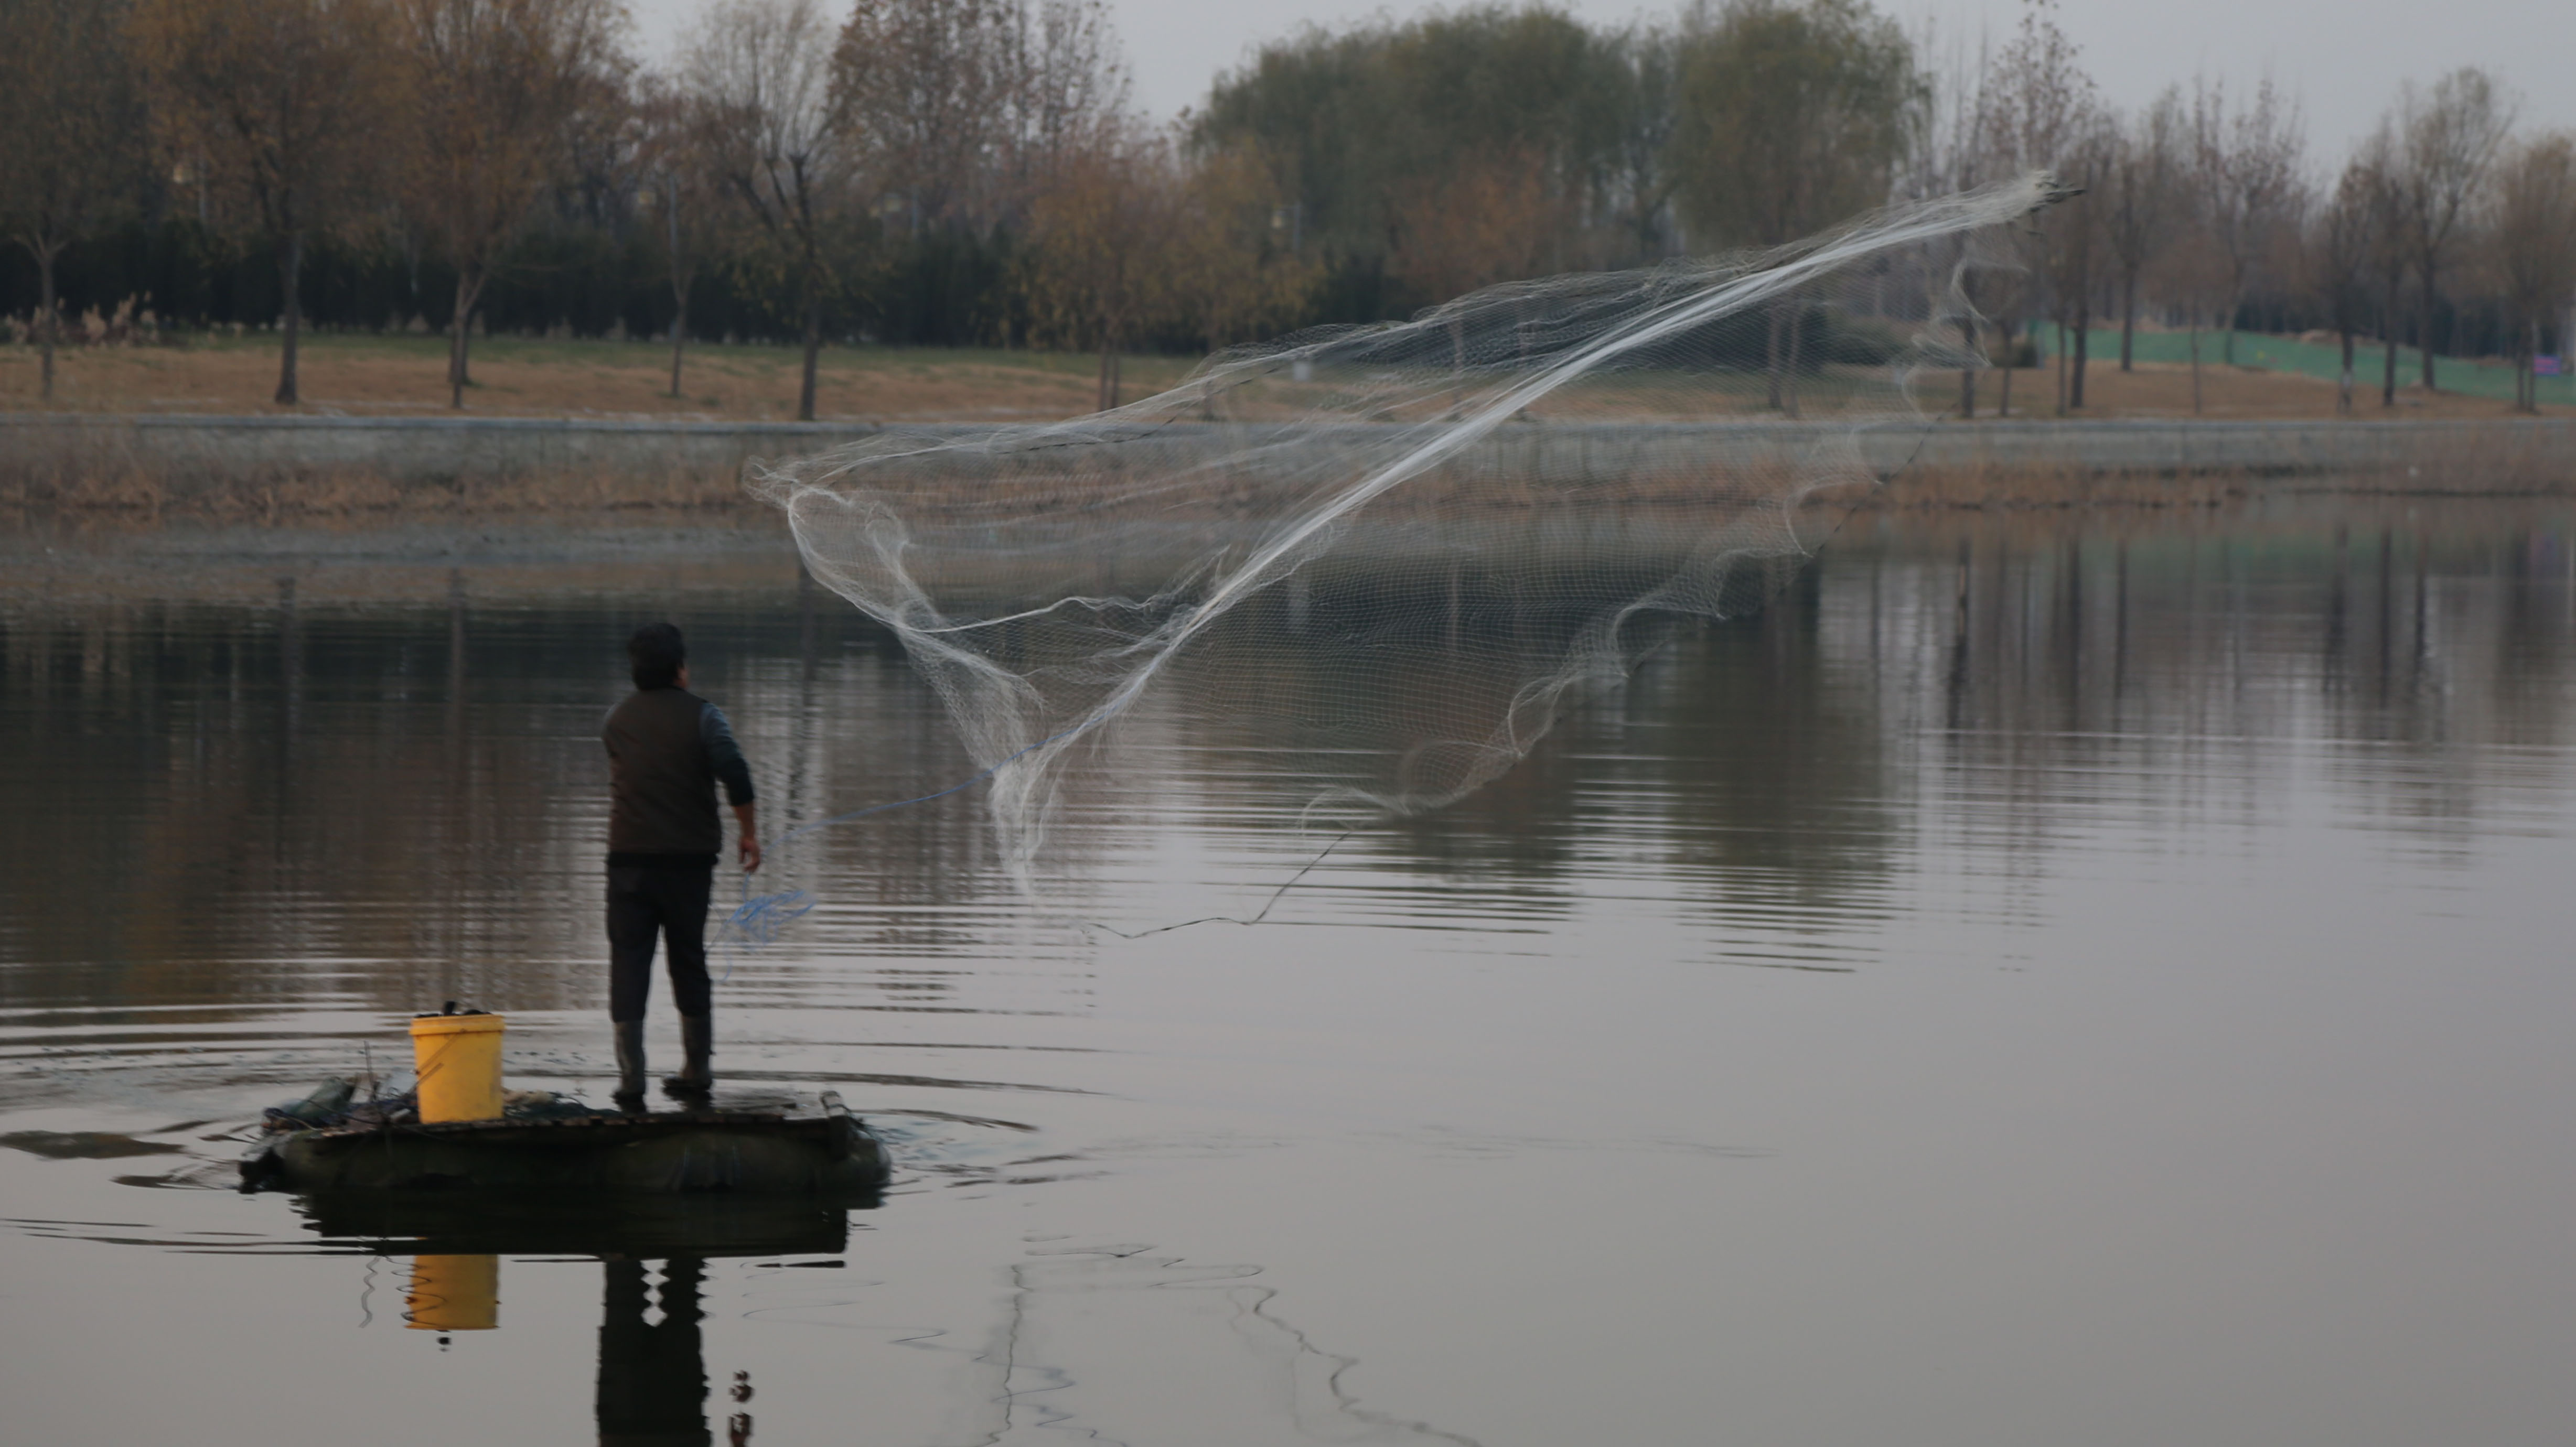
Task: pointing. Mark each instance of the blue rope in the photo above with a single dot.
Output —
(756, 921)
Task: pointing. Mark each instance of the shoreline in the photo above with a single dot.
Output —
(263, 469)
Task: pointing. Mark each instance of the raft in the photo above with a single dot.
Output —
(671, 1153)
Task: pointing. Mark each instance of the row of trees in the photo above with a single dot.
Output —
(973, 171)
(2205, 207)
(808, 162)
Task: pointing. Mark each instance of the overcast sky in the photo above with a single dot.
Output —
(2344, 58)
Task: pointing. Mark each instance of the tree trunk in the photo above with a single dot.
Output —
(1789, 373)
(813, 353)
(2227, 331)
(680, 274)
(2193, 321)
(2388, 343)
(290, 272)
(2343, 384)
(2425, 338)
(1457, 367)
(2531, 365)
(2012, 343)
(460, 331)
(2128, 315)
(2083, 353)
(679, 334)
(2058, 368)
(48, 314)
(1968, 375)
(1771, 358)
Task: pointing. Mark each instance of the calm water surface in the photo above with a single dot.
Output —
(2093, 978)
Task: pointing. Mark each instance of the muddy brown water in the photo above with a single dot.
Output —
(2068, 977)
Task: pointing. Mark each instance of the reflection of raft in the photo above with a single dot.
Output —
(572, 1223)
(706, 1150)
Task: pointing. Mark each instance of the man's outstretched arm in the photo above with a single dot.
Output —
(725, 757)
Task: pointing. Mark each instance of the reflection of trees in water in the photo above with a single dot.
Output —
(412, 792)
(2154, 661)
(415, 790)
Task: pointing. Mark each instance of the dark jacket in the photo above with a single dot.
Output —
(667, 748)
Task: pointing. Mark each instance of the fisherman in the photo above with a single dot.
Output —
(667, 750)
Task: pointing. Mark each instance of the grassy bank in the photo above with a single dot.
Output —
(372, 375)
(2465, 382)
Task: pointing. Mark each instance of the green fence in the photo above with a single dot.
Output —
(2319, 359)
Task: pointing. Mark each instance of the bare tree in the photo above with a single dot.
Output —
(2036, 108)
(2076, 243)
(2336, 255)
(2143, 201)
(2531, 246)
(1066, 80)
(2245, 162)
(760, 72)
(681, 183)
(1945, 152)
(284, 103)
(74, 127)
(2375, 171)
(493, 89)
(2446, 141)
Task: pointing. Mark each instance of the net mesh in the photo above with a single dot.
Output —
(1388, 556)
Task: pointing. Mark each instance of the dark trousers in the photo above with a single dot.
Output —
(665, 899)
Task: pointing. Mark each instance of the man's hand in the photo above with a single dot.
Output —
(748, 816)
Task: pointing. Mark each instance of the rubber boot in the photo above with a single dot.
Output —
(630, 1066)
(696, 1080)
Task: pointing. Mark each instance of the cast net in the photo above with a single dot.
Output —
(1386, 557)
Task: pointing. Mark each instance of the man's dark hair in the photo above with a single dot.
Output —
(656, 653)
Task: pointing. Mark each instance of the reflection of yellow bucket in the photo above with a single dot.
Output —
(459, 1061)
(455, 1293)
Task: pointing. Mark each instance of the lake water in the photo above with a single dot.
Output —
(2057, 978)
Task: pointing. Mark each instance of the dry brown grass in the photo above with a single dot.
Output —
(147, 497)
(406, 376)
(403, 375)
(2163, 390)
(365, 375)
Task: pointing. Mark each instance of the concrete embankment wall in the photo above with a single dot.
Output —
(703, 461)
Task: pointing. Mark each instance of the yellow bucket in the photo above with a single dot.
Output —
(458, 1058)
(454, 1293)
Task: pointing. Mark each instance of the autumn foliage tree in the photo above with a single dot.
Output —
(759, 75)
(1792, 117)
(1235, 272)
(1102, 237)
(683, 192)
(72, 121)
(284, 103)
(493, 88)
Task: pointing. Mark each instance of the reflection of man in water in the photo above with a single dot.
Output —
(652, 1375)
(667, 749)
